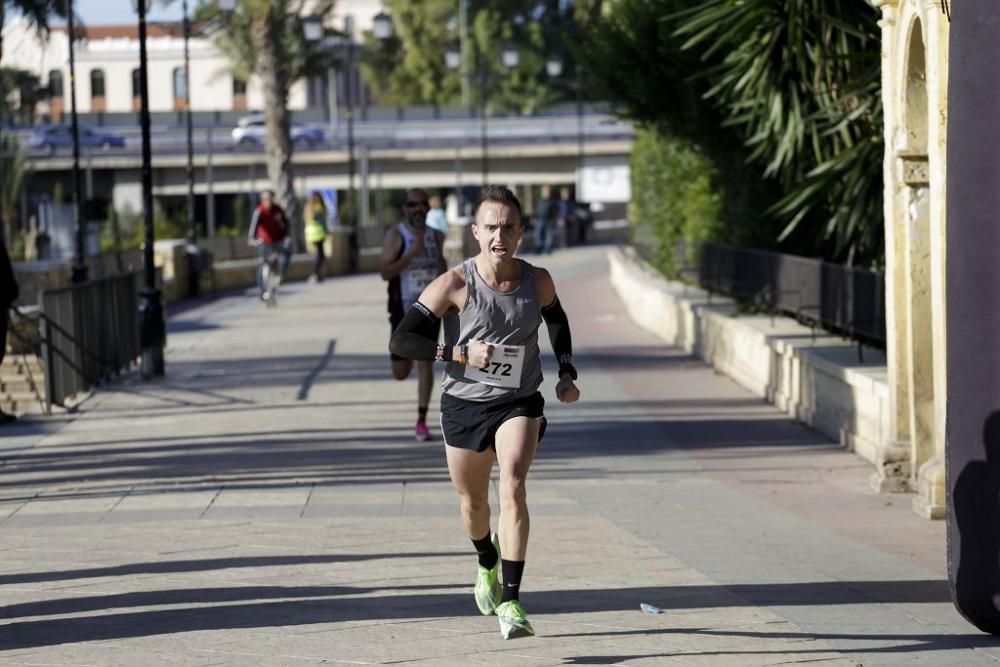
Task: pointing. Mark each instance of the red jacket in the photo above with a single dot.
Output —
(268, 226)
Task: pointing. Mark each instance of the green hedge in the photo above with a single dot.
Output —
(676, 202)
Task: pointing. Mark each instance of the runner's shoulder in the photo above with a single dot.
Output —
(453, 279)
(545, 286)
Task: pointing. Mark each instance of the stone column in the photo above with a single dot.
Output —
(893, 470)
(930, 482)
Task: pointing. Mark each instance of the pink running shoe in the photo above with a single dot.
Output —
(421, 432)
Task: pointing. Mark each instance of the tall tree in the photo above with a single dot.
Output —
(37, 13)
(20, 93)
(410, 68)
(12, 168)
(265, 38)
(634, 60)
(802, 80)
(788, 87)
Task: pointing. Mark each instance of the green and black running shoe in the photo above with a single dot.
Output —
(489, 590)
(513, 620)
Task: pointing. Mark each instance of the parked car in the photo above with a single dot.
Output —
(252, 131)
(51, 137)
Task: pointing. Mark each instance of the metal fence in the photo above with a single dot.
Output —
(846, 300)
(89, 332)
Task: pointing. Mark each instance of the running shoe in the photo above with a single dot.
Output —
(513, 620)
(421, 432)
(488, 589)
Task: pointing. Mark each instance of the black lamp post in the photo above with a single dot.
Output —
(554, 68)
(193, 254)
(382, 29)
(152, 329)
(510, 57)
(79, 260)
(192, 226)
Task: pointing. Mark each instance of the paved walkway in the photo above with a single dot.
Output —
(265, 504)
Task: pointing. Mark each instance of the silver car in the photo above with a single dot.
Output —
(252, 131)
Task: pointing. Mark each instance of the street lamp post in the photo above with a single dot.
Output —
(193, 254)
(554, 68)
(382, 29)
(510, 57)
(79, 260)
(192, 225)
(152, 329)
(349, 115)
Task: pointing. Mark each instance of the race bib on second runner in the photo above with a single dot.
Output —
(417, 280)
(504, 370)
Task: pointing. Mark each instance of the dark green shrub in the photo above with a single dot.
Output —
(676, 201)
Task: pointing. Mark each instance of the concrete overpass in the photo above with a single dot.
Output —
(388, 154)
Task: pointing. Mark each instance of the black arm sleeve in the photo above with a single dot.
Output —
(562, 342)
(416, 336)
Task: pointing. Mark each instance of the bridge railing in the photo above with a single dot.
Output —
(846, 300)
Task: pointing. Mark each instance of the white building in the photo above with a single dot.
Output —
(107, 67)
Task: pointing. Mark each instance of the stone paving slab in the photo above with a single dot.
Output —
(265, 504)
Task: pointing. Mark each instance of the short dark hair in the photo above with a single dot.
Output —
(497, 194)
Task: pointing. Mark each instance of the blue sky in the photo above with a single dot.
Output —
(110, 12)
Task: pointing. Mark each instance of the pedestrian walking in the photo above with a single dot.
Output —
(412, 257)
(544, 216)
(436, 218)
(316, 218)
(565, 219)
(491, 407)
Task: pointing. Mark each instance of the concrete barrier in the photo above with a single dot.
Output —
(813, 376)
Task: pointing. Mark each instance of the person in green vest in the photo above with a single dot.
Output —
(316, 233)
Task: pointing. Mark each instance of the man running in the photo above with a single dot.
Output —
(413, 256)
(493, 305)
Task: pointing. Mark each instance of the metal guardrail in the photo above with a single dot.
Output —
(849, 301)
(89, 333)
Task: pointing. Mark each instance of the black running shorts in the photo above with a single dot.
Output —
(473, 424)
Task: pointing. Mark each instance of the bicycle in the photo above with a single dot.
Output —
(269, 277)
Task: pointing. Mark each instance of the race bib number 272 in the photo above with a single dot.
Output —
(504, 370)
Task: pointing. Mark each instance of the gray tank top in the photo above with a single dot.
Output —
(510, 319)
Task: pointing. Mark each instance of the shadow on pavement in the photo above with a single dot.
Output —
(212, 564)
(332, 604)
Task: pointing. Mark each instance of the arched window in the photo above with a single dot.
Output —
(56, 101)
(136, 93)
(97, 101)
(55, 83)
(239, 93)
(180, 89)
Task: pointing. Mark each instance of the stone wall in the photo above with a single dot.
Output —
(812, 376)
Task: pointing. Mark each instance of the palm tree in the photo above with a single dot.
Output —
(264, 38)
(784, 97)
(802, 80)
(12, 168)
(37, 12)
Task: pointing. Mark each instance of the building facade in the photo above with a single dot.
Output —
(107, 68)
(915, 100)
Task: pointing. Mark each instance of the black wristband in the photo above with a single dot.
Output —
(567, 368)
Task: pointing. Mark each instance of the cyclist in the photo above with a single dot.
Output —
(270, 233)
